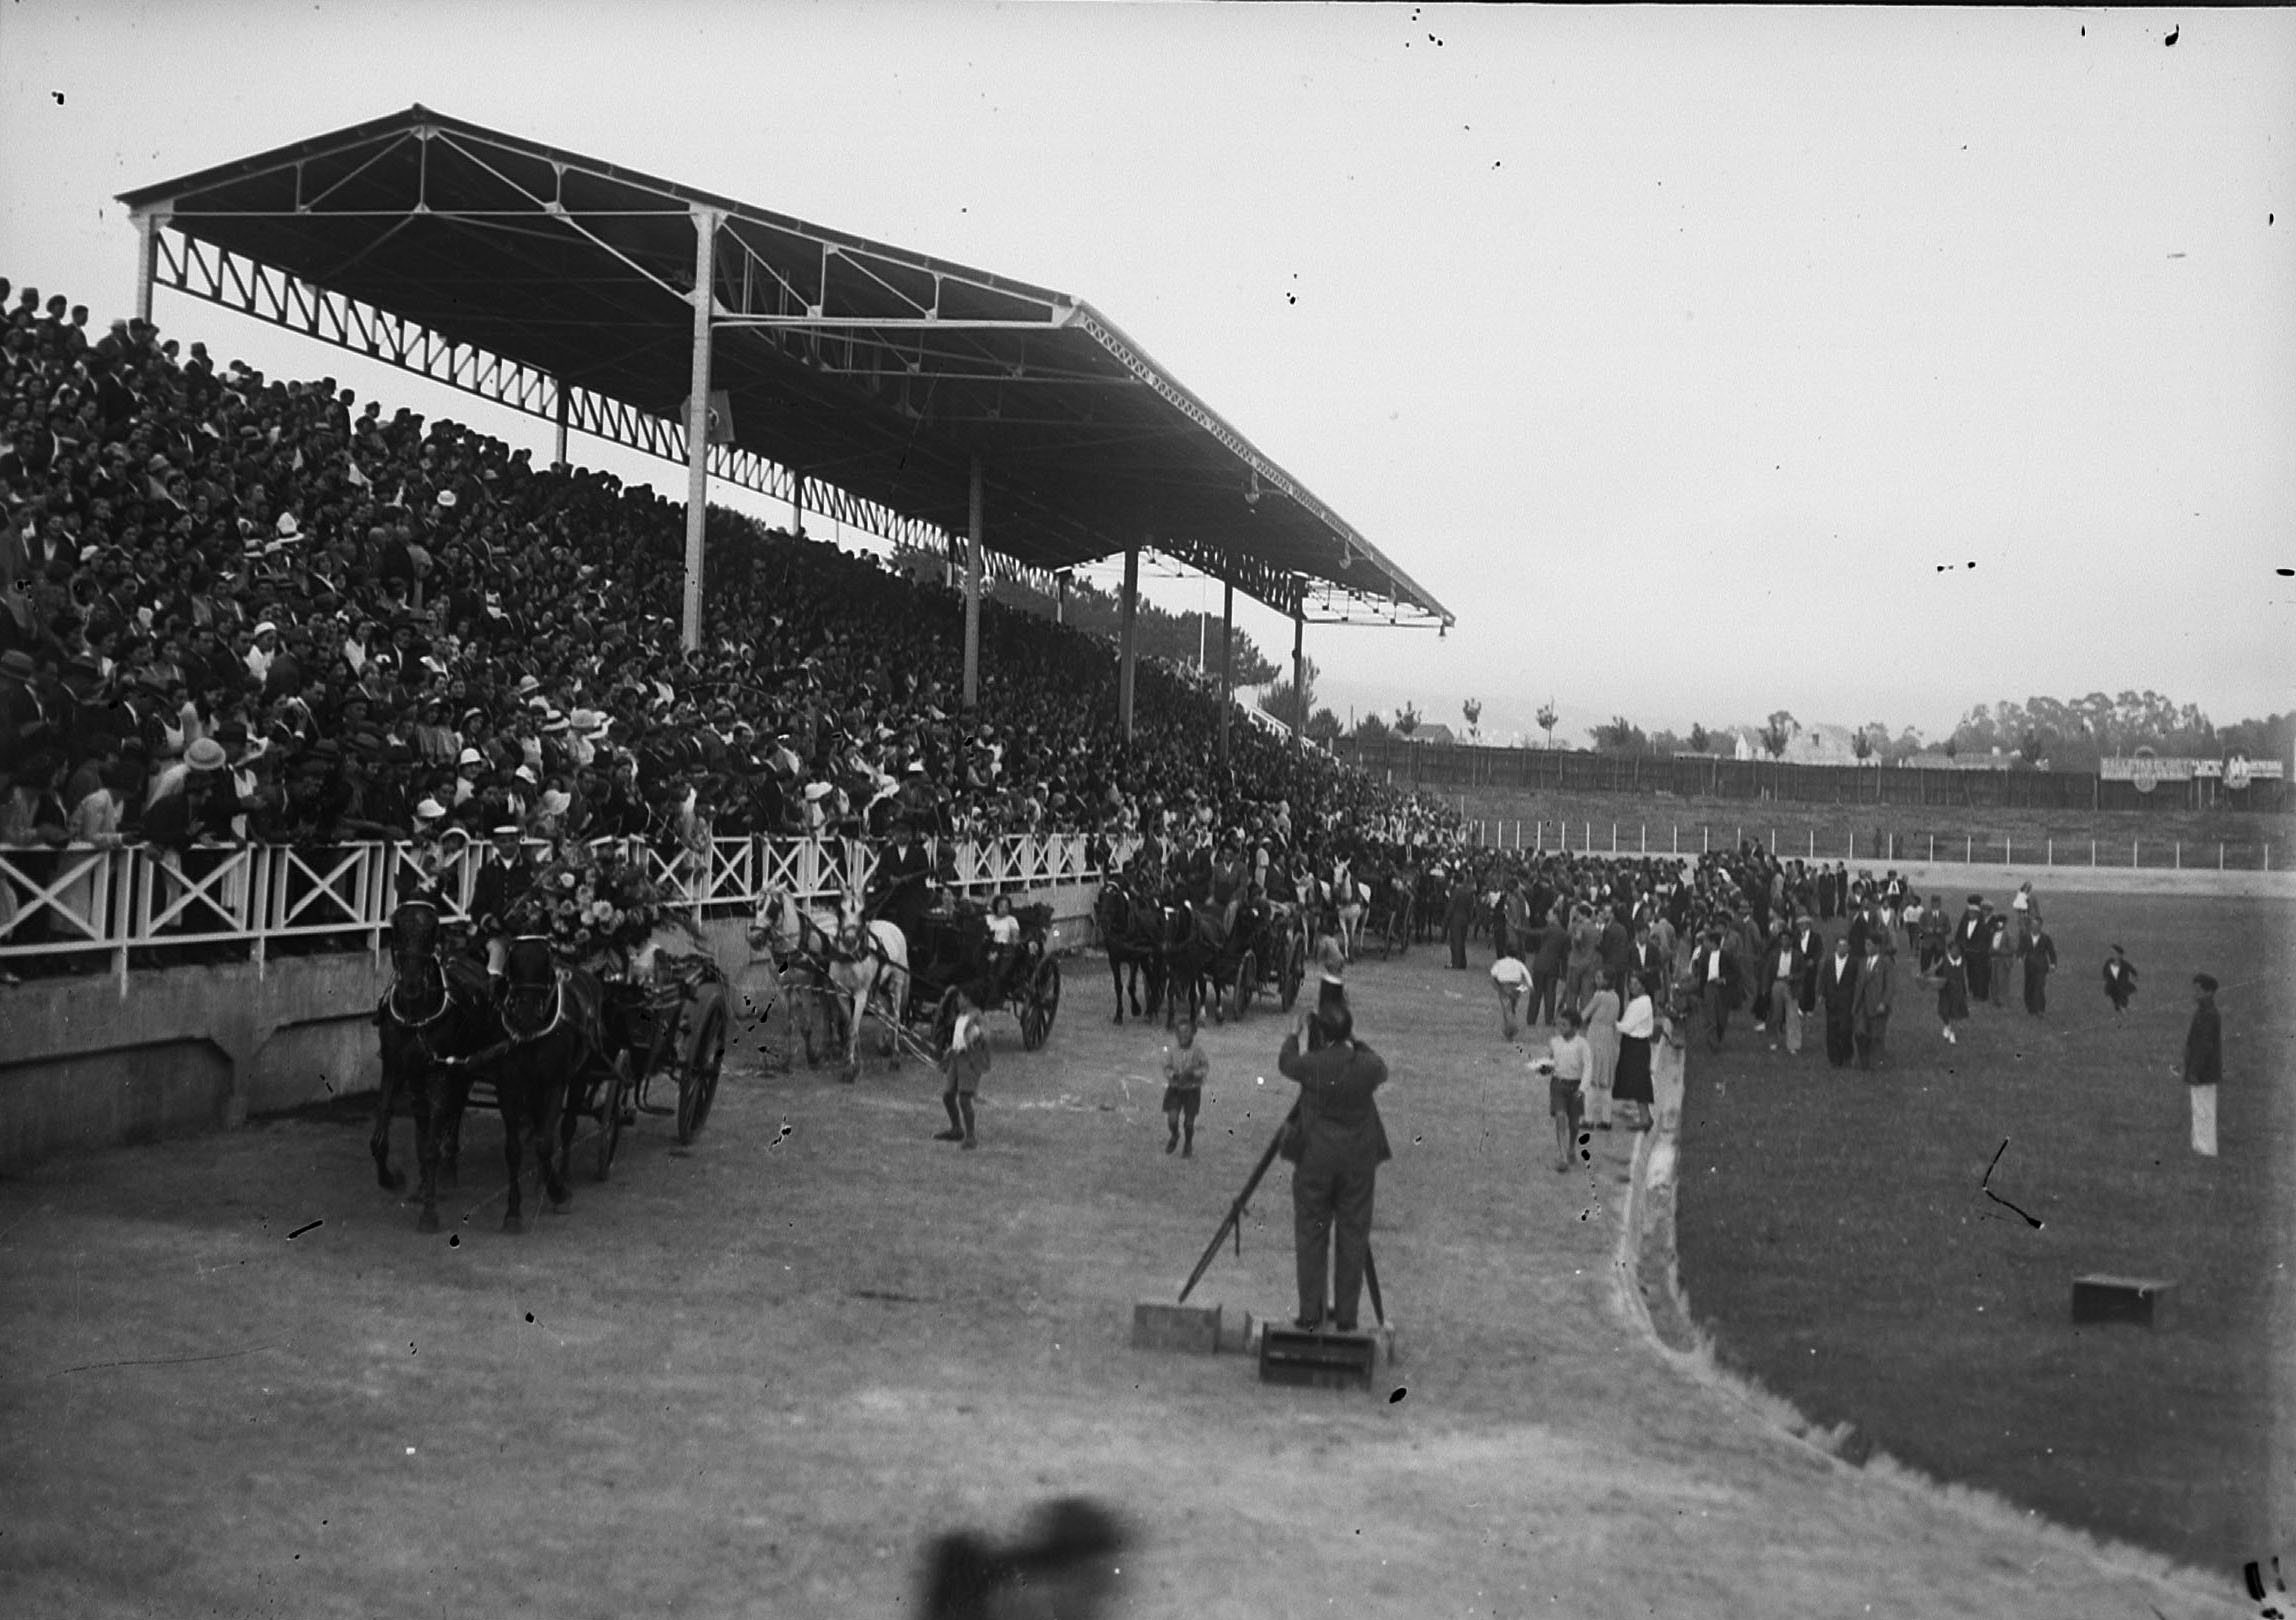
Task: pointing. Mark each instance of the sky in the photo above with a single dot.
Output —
(1864, 364)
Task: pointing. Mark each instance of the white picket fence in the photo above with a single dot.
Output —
(117, 904)
(1672, 839)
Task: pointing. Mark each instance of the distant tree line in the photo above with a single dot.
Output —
(2062, 734)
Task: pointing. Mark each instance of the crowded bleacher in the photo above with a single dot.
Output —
(243, 609)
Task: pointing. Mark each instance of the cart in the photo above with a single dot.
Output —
(1265, 954)
(668, 1025)
(952, 952)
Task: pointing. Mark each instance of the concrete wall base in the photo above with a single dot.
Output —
(203, 1048)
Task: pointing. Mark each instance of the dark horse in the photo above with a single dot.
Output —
(1131, 932)
(433, 1013)
(1189, 939)
(545, 1034)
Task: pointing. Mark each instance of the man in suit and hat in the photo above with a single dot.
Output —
(23, 714)
(1871, 1007)
(1837, 989)
(2203, 1063)
(1715, 976)
(1975, 935)
(1342, 1145)
(903, 881)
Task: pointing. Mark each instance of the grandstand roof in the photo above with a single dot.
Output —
(527, 273)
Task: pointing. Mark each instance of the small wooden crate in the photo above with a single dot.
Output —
(1317, 1360)
(2103, 1297)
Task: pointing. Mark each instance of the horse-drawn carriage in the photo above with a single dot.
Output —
(1264, 953)
(1183, 951)
(836, 971)
(552, 1043)
(955, 951)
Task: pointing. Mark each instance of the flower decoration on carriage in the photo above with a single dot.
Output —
(593, 901)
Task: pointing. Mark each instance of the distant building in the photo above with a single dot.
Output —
(1431, 731)
(1821, 744)
(1932, 760)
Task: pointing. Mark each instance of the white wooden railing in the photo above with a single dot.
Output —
(125, 908)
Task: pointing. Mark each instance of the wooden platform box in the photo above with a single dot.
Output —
(2101, 1297)
(1316, 1360)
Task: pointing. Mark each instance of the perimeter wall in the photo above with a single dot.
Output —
(103, 1060)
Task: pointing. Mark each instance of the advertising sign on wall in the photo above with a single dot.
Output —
(2147, 771)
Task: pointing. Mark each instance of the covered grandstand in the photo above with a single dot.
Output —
(923, 401)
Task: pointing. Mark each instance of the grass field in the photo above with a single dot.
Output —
(1839, 1241)
(2150, 838)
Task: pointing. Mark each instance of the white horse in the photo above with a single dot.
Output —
(867, 963)
(1348, 899)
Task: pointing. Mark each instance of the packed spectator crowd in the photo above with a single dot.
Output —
(240, 609)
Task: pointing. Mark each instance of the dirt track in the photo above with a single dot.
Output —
(752, 1378)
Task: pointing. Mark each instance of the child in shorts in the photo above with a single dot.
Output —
(962, 1066)
(1568, 1060)
(1185, 1070)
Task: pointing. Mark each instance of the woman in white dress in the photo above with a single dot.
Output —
(1600, 1013)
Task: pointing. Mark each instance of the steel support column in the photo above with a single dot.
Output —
(973, 591)
(1299, 680)
(147, 262)
(698, 424)
(1227, 665)
(1127, 640)
(559, 416)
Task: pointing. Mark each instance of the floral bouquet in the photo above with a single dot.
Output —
(592, 901)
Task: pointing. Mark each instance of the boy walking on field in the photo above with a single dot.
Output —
(1566, 1064)
(1185, 1070)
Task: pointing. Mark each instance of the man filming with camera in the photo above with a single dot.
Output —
(1337, 1149)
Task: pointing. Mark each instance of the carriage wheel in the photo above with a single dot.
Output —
(1294, 970)
(1041, 1006)
(698, 1076)
(1247, 984)
(610, 1097)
